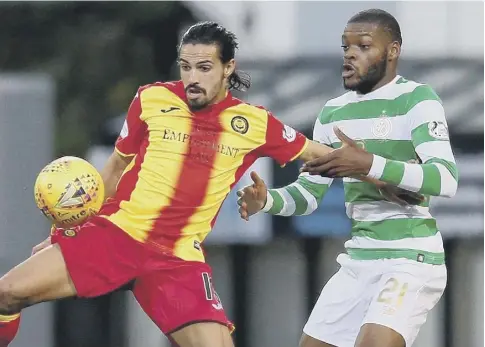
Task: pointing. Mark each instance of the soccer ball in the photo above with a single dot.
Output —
(68, 191)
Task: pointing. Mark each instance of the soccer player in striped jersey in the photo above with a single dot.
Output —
(183, 147)
(392, 129)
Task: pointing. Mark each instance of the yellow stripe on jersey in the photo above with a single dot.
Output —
(161, 164)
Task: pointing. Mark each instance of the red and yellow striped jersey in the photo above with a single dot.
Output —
(186, 162)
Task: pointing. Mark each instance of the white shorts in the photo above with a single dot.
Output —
(396, 293)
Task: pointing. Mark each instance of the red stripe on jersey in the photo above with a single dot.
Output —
(248, 160)
(127, 183)
(189, 191)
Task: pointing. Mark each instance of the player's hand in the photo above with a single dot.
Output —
(401, 196)
(252, 198)
(353, 161)
(348, 161)
(44, 244)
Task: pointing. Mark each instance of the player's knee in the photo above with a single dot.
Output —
(11, 301)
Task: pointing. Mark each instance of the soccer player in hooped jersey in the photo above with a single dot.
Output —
(184, 145)
(391, 129)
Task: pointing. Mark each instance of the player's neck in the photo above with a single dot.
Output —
(386, 80)
(220, 97)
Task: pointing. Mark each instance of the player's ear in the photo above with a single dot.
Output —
(394, 50)
(229, 68)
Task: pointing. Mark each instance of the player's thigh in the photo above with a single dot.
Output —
(204, 334)
(180, 296)
(99, 257)
(341, 306)
(376, 335)
(42, 277)
(308, 341)
(403, 298)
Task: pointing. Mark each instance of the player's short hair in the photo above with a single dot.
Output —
(210, 33)
(382, 18)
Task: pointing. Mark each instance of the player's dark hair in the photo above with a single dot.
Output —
(382, 18)
(211, 33)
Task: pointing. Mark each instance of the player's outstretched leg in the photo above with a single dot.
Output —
(42, 277)
(181, 299)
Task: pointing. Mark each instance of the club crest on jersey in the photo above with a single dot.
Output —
(69, 232)
(438, 130)
(240, 124)
(382, 126)
(289, 134)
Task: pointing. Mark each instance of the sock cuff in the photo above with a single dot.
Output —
(6, 319)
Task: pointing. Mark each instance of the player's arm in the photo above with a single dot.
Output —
(314, 150)
(300, 198)
(112, 171)
(126, 147)
(303, 196)
(437, 175)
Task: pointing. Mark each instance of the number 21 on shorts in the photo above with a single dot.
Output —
(393, 293)
(210, 292)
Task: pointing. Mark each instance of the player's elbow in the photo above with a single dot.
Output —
(449, 188)
(312, 206)
(448, 181)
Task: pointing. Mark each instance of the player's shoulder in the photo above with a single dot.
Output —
(326, 112)
(249, 109)
(255, 117)
(175, 87)
(413, 91)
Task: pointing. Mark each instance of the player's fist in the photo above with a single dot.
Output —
(252, 198)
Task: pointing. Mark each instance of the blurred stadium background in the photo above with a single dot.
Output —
(68, 71)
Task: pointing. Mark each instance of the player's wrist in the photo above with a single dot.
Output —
(268, 203)
(377, 168)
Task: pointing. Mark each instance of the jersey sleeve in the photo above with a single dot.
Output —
(437, 174)
(303, 196)
(133, 131)
(283, 143)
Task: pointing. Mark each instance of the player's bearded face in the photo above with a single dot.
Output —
(373, 74)
(365, 57)
(201, 71)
